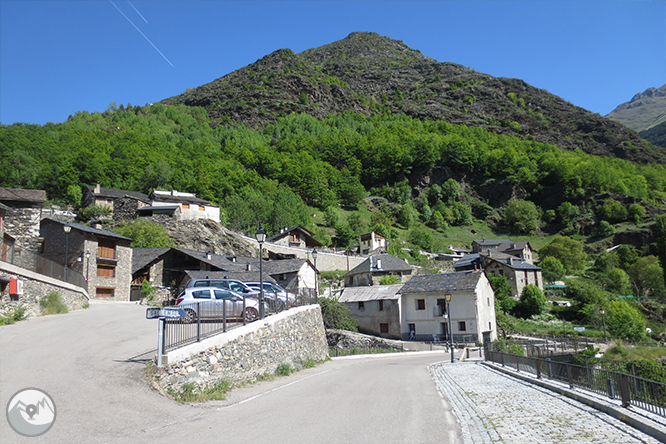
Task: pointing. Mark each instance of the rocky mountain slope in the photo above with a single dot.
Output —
(655, 135)
(368, 73)
(644, 111)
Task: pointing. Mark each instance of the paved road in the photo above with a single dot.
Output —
(91, 362)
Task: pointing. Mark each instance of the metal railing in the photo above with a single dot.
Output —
(631, 390)
(39, 264)
(211, 319)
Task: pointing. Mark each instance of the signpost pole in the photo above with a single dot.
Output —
(160, 341)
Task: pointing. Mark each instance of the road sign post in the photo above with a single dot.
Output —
(162, 314)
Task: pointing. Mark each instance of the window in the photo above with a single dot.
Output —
(420, 304)
(106, 250)
(488, 302)
(412, 329)
(104, 292)
(108, 271)
(383, 328)
(201, 294)
(441, 307)
(186, 206)
(361, 305)
(381, 306)
(202, 208)
(462, 326)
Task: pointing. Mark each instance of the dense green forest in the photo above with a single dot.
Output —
(425, 178)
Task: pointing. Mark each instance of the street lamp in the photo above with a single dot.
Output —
(602, 312)
(448, 311)
(67, 229)
(314, 256)
(260, 235)
(87, 265)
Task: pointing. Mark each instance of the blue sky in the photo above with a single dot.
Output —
(59, 57)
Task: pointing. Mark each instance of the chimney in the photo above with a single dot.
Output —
(208, 256)
(379, 264)
(511, 261)
(98, 188)
(248, 267)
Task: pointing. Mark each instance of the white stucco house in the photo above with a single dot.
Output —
(417, 309)
(187, 205)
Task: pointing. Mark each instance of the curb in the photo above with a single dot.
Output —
(646, 425)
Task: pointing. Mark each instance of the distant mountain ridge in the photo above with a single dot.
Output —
(644, 111)
(368, 73)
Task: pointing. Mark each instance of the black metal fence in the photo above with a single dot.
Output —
(631, 390)
(204, 319)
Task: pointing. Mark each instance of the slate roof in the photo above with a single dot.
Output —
(21, 195)
(438, 283)
(309, 235)
(492, 242)
(389, 263)
(144, 256)
(516, 264)
(371, 293)
(115, 193)
(282, 266)
(87, 229)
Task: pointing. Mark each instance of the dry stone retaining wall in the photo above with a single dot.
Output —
(246, 353)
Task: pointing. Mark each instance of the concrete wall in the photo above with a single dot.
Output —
(36, 287)
(247, 352)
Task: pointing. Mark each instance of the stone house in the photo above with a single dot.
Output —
(472, 307)
(518, 273)
(123, 204)
(185, 206)
(522, 250)
(169, 268)
(297, 236)
(417, 309)
(102, 257)
(371, 242)
(370, 271)
(23, 211)
(376, 309)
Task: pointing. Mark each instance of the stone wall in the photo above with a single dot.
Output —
(246, 353)
(35, 288)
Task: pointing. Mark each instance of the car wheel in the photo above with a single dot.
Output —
(190, 316)
(251, 314)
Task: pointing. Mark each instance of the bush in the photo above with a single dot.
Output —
(336, 315)
(532, 302)
(522, 216)
(13, 316)
(52, 304)
(623, 321)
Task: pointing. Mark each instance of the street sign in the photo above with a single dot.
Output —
(164, 312)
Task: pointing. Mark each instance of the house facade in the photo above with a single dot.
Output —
(375, 267)
(472, 307)
(518, 273)
(417, 310)
(22, 213)
(123, 204)
(297, 236)
(370, 242)
(187, 205)
(103, 258)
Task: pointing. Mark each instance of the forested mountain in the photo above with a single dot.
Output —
(435, 145)
(655, 135)
(370, 74)
(644, 111)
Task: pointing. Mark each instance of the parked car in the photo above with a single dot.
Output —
(228, 284)
(276, 296)
(215, 302)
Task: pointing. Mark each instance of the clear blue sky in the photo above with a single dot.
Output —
(59, 57)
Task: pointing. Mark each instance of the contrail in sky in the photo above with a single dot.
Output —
(137, 11)
(144, 35)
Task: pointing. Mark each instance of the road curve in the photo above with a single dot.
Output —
(91, 362)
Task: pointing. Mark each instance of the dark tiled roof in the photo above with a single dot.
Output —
(144, 256)
(389, 263)
(115, 193)
(21, 195)
(87, 229)
(467, 261)
(430, 283)
(513, 262)
(310, 235)
(490, 242)
(282, 266)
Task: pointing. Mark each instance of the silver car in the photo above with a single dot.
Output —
(214, 302)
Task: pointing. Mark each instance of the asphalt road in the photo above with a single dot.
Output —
(91, 362)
